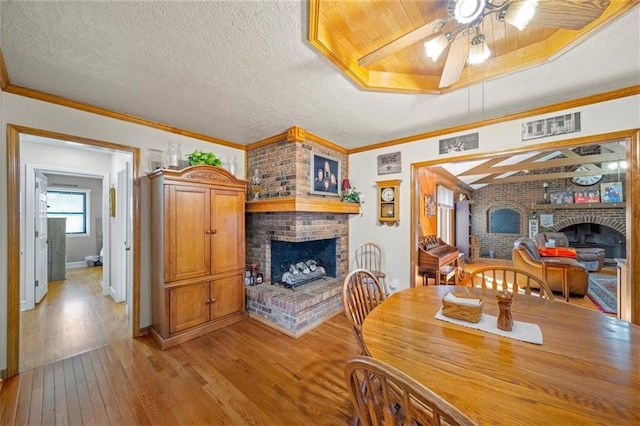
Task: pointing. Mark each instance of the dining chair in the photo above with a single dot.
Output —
(507, 278)
(361, 293)
(382, 394)
(369, 257)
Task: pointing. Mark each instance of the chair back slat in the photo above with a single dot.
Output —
(361, 293)
(383, 395)
(369, 256)
(507, 278)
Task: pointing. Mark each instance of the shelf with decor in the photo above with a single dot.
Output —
(578, 206)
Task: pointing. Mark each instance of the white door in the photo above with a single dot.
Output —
(40, 227)
(123, 236)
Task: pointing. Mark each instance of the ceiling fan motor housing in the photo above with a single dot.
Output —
(466, 11)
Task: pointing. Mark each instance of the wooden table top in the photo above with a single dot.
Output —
(587, 371)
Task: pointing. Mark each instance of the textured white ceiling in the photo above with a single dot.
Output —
(243, 70)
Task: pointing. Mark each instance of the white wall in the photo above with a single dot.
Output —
(615, 115)
(28, 112)
(604, 117)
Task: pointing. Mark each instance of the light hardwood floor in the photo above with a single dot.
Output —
(79, 367)
(72, 318)
(246, 373)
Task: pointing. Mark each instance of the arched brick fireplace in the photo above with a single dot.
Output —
(595, 231)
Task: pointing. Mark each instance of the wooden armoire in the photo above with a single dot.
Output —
(197, 252)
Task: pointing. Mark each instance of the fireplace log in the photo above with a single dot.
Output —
(290, 280)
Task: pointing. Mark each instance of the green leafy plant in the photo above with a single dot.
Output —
(353, 196)
(199, 157)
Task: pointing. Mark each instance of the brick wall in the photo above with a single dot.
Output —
(285, 171)
(520, 197)
(284, 168)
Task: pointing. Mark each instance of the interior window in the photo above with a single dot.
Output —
(73, 205)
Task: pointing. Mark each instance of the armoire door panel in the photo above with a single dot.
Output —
(227, 296)
(189, 306)
(228, 249)
(189, 245)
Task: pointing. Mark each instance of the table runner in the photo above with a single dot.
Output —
(523, 331)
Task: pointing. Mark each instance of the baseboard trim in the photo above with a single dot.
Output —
(78, 264)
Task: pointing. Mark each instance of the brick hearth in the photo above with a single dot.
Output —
(295, 312)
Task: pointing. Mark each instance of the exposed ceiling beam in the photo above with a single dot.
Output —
(529, 164)
(451, 178)
(614, 147)
(569, 154)
(424, 32)
(486, 164)
(542, 176)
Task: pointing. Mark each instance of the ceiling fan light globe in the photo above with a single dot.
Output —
(478, 53)
(519, 13)
(434, 47)
(466, 11)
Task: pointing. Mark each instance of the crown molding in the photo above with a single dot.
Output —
(58, 100)
(297, 134)
(6, 86)
(574, 103)
(4, 74)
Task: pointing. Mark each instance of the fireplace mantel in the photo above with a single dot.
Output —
(301, 204)
(579, 206)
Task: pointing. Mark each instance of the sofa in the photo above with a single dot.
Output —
(591, 257)
(527, 257)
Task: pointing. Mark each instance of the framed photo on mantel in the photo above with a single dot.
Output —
(325, 175)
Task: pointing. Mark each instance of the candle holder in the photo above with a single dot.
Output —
(173, 155)
(256, 187)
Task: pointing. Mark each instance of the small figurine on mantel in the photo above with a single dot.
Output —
(505, 320)
(254, 274)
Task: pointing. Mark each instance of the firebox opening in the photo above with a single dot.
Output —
(594, 235)
(285, 253)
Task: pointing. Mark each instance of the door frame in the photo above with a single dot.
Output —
(632, 200)
(13, 237)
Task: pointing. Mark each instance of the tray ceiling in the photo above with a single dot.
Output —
(347, 32)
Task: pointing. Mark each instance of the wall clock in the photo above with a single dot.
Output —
(585, 180)
(388, 201)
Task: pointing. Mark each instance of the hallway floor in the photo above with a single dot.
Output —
(74, 317)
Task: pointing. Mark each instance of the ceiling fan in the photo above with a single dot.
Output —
(472, 26)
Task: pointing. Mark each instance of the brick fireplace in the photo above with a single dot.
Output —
(287, 212)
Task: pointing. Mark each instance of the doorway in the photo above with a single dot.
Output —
(16, 234)
(452, 167)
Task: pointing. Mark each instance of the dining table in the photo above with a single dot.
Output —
(585, 371)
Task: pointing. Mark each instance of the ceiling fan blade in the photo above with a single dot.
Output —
(569, 14)
(428, 30)
(458, 53)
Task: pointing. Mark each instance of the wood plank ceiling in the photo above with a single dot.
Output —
(346, 31)
(583, 161)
